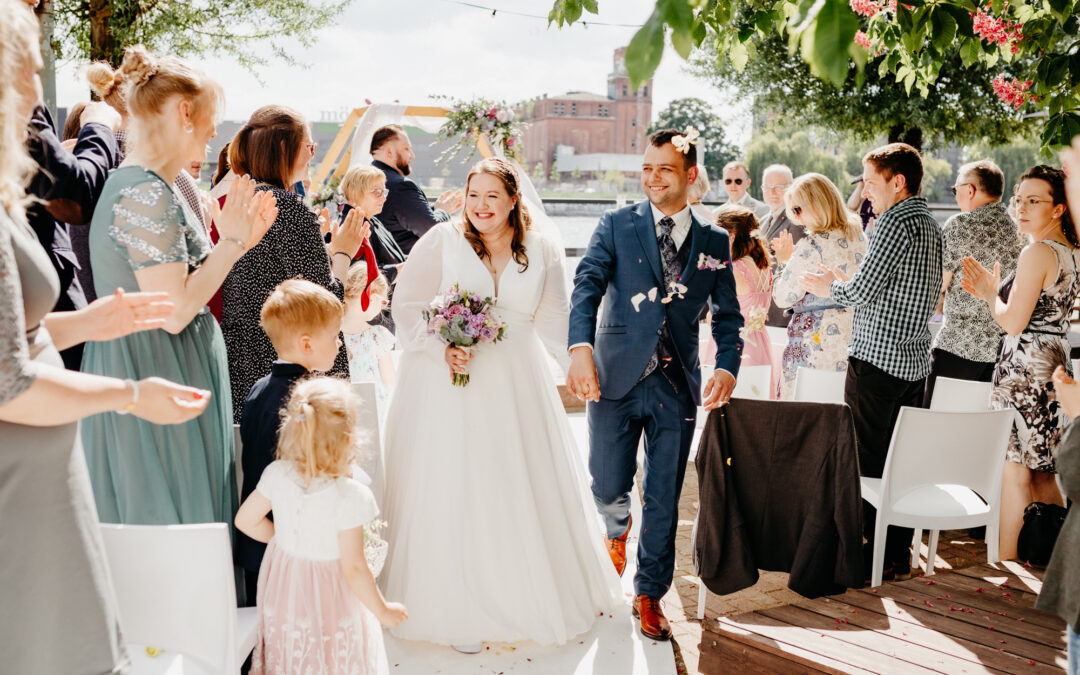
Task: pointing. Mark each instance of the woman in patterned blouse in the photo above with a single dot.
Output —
(820, 329)
(275, 149)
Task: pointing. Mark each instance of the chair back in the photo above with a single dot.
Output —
(820, 386)
(753, 382)
(175, 589)
(370, 453)
(951, 395)
(947, 448)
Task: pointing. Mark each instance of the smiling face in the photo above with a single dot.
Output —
(488, 204)
(881, 189)
(665, 177)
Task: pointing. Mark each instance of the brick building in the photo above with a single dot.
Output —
(590, 132)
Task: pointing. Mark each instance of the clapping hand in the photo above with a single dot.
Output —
(978, 281)
(164, 402)
(718, 389)
(121, 314)
(247, 215)
(450, 201)
(324, 221)
(347, 236)
(818, 284)
(783, 247)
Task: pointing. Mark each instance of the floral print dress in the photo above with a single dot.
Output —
(820, 329)
(1027, 362)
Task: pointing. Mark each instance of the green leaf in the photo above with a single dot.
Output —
(645, 50)
(943, 30)
(970, 51)
(700, 33)
(1057, 70)
(832, 33)
(908, 81)
(683, 43)
(763, 21)
(591, 6)
(564, 12)
(679, 15)
(738, 55)
(1059, 7)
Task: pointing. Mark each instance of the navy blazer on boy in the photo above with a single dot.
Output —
(622, 267)
(259, 423)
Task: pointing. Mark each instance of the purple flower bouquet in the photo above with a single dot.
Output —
(462, 319)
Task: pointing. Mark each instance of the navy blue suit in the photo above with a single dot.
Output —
(621, 262)
(259, 423)
(406, 212)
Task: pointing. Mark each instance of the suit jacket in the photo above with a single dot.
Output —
(406, 213)
(760, 208)
(1061, 587)
(69, 184)
(778, 483)
(259, 424)
(771, 228)
(621, 265)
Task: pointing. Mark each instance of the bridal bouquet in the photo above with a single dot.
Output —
(462, 319)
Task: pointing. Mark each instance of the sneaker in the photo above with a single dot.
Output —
(469, 648)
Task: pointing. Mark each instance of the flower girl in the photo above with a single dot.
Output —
(319, 607)
(367, 345)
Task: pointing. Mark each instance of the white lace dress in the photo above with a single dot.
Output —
(310, 621)
(493, 534)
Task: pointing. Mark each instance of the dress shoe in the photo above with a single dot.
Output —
(653, 622)
(470, 648)
(616, 548)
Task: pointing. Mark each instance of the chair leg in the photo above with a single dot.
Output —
(931, 552)
(880, 528)
(916, 547)
(992, 534)
(701, 600)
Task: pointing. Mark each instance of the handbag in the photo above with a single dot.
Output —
(1042, 524)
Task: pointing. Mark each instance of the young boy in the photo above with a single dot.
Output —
(303, 321)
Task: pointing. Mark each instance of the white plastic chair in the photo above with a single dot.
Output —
(753, 382)
(176, 591)
(952, 395)
(943, 471)
(820, 386)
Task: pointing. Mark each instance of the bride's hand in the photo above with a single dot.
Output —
(457, 359)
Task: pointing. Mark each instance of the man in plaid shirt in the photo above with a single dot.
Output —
(894, 294)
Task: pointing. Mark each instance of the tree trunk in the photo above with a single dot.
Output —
(902, 133)
(102, 45)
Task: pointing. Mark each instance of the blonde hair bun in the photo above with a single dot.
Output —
(138, 66)
(103, 79)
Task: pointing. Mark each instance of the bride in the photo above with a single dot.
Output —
(493, 535)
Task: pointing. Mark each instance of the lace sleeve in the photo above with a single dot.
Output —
(417, 285)
(149, 226)
(16, 368)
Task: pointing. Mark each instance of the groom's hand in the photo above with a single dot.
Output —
(718, 389)
(581, 379)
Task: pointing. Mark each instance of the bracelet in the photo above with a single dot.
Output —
(242, 245)
(344, 254)
(134, 399)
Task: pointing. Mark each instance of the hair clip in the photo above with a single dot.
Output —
(683, 141)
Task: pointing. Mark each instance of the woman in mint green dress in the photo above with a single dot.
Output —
(143, 237)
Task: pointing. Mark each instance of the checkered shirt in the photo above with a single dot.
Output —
(896, 290)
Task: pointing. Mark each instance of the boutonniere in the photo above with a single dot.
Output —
(683, 142)
(707, 262)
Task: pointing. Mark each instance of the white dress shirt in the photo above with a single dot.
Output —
(682, 223)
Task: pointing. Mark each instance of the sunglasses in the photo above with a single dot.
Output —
(953, 188)
(797, 210)
(729, 181)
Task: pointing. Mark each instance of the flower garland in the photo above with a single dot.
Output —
(467, 120)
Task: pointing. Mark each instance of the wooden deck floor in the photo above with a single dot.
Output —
(979, 619)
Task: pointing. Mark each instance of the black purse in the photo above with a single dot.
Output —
(1042, 524)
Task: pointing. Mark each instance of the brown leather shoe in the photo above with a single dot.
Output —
(616, 548)
(653, 622)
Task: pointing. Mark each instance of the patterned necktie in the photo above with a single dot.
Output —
(669, 259)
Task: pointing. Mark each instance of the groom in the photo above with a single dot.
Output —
(638, 368)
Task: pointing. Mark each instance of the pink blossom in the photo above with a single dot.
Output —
(1001, 32)
(865, 7)
(1011, 91)
(510, 142)
(863, 40)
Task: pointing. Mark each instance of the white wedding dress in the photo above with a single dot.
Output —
(493, 533)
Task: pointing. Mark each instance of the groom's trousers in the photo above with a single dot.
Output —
(615, 428)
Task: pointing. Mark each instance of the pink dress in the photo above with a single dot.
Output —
(757, 350)
(310, 621)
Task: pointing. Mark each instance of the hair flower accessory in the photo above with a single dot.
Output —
(683, 142)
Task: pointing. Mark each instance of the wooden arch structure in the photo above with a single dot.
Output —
(336, 162)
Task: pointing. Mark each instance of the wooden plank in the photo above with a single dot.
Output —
(790, 638)
(989, 599)
(954, 627)
(755, 655)
(877, 634)
(1014, 574)
(344, 135)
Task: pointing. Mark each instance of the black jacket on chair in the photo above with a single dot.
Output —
(778, 483)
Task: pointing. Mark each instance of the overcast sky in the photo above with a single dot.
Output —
(410, 50)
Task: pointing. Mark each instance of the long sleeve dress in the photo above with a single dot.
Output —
(820, 329)
(492, 532)
(293, 247)
(59, 612)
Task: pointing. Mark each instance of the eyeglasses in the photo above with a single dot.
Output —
(1028, 202)
(959, 185)
(797, 210)
(381, 192)
(776, 188)
(729, 181)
